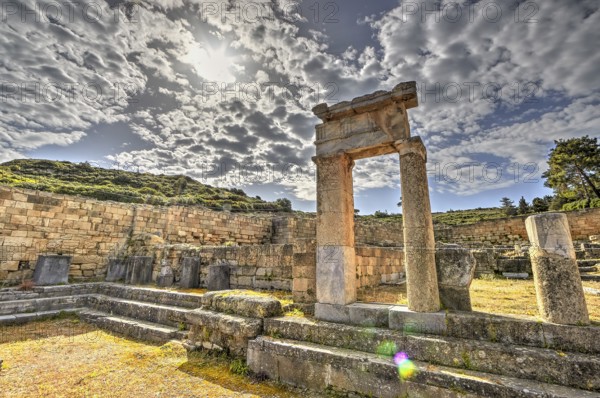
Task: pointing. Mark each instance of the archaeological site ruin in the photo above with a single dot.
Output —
(208, 278)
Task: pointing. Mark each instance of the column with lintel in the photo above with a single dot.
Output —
(419, 243)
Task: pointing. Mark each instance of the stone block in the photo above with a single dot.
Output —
(165, 277)
(242, 303)
(190, 273)
(336, 275)
(139, 270)
(52, 270)
(455, 270)
(116, 270)
(410, 322)
(218, 277)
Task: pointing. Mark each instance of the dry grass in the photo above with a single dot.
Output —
(496, 296)
(66, 358)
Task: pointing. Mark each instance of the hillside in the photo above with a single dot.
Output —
(130, 187)
(451, 217)
(126, 186)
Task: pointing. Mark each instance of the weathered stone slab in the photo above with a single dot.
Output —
(360, 314)
(401, 318)
(336, 275)
(116, 270)
(190, 273)
(139, 270)
(166, 278)
(455, 271)
(215, 331)
(218, 277)
(557, 280)
(515, 275)
(242, 303)
(52, 270)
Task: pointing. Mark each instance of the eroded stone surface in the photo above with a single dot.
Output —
(558, 285)
(190, 273)
(52, 270)
(242, 303)
(455, 270)
(218, 277)
(419, 244)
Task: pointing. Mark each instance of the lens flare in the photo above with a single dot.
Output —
(406, 369)
(387, 349)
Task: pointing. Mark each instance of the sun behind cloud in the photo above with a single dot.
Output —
(211, 64)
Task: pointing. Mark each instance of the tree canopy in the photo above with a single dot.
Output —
(574, 169)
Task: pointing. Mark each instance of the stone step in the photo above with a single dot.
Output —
(592, 268)
(149, 312)
(550, 366)
(10, 294)
(593, 278)
(15, 319)
(588, 262)
(505, 329)
(41, 304)
(321, 367)
(152, 295)
(146, 331)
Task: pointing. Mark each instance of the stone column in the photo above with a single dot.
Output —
(557, 281)
(419, 243)
(336, 263)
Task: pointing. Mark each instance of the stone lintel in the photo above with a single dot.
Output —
(405, 93)
(366, 126)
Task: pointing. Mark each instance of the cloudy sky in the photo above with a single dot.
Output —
(223, 90)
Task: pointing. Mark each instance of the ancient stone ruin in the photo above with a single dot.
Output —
(368, 126)
(102, 261)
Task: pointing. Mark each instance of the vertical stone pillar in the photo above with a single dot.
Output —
(419, 243)
(557, 281)
(336, 263)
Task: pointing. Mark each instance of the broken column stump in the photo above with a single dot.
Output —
(455, 271)
(557, 281)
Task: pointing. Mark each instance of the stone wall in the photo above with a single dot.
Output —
(377, 265)
(251, 267)
(504, 231)
(33, 223)
(510, 231)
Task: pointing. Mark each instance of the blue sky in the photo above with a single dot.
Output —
(222, 91)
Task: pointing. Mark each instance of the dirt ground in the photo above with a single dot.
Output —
(68, 358)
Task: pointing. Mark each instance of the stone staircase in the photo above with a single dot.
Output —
(455, 354)
(143, 313)
(473, 356)
(588, 269)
